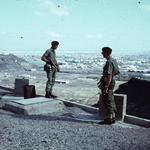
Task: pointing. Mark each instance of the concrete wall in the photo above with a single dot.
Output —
(121, 103)
(137, 121)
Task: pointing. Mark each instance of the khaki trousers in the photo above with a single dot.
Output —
(51, 75)
(108, 99)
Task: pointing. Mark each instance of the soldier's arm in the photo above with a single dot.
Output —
(56, 62)
(43, 58)
(101, 79)
(109, 72)
(108, 80)
(58, 69)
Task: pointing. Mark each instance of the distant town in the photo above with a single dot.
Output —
(130, 65)
(137, 66)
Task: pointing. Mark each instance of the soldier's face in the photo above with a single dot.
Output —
(54, 47)
(105, 55)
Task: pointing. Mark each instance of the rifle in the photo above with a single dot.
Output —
(101, 83)
(50, 62)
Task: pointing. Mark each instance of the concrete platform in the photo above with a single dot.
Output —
(40, 105)
(32, 106)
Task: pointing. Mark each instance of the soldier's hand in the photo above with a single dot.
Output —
(98, 82)
(99, 85)
(106, 90)
(48, 62)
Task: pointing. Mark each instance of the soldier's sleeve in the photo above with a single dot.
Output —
(46, 53)
(109, 68)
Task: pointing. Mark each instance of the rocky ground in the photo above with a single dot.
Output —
(50, 132)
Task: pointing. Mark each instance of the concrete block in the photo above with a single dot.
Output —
(19, 86)
(32, 106)
(137, 121)
(121, 103)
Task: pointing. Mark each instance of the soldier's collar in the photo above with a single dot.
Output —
(52, 49)
(109, 58)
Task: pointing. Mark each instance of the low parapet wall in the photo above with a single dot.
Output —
(137, 121)
(121, 104)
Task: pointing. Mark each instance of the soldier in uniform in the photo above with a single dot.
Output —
(51, 67)
(107, 84)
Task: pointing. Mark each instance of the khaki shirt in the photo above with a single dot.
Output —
(111, 67)
(50, 55)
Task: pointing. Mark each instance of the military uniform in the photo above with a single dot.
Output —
(51, 71)
(110, 68)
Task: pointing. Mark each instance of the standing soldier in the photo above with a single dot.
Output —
(50, 67)
(107, 84)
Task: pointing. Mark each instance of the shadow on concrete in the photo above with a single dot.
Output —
(6, 89)
(62, 117)
(37, 95)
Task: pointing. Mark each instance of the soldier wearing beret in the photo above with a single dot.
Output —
(107, 84)
(51, 67)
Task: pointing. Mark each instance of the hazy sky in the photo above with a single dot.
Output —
(79, 25)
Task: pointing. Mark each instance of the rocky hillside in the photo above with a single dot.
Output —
(10, 62)
(138, 97)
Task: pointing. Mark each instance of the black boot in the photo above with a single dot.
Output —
(53, 96)
(113, 120)
(47, 95)
(107, 121)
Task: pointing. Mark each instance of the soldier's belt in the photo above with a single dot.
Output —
(47, 67)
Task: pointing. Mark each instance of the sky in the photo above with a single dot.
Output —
(79, 25)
